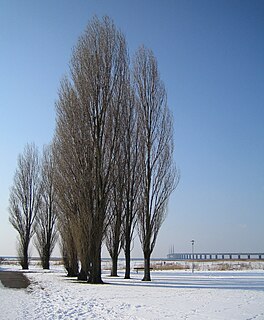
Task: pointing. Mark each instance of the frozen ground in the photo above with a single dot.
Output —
(171, 295)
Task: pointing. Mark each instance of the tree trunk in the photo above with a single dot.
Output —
(74, 265)
(82, 275)
(24, 263)
(46, 264)
(114, 265)
(85, 267)
(71, 272)
(24, 260)
(73, 268)
(71, 265)
(46, 258)
(95, 275)
(146, 266)
(127, 257)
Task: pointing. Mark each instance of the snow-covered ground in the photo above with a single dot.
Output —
(171, 295)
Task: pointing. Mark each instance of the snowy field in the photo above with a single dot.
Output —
(171, 295)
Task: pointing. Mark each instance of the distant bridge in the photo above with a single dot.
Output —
(216, 256)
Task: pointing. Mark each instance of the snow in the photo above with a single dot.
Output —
(171, 295)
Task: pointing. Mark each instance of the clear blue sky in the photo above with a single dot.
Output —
(211, 58)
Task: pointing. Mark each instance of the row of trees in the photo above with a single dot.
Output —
(111, 158)
(32, 204)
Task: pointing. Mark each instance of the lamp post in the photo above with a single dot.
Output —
(192, 242)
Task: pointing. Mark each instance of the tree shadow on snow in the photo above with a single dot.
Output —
(224, 283)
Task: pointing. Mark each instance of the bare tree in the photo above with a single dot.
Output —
(88, 111)
(68, 247)
(132, 172)
(114, 234)
(160, 176)
(66, 196)
(45, 227)
(24, 201)
(74, 183)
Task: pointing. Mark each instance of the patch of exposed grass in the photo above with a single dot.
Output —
(170, 266)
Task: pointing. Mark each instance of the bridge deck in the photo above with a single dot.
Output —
(216, 256)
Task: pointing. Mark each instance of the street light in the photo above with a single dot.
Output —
(192, 242)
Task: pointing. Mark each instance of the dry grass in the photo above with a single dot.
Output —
(209, 265)
(170, 266)
(9, 262)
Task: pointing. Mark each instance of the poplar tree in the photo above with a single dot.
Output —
(159, 174)
(25, 200)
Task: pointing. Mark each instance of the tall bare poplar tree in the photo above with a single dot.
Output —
(88, 120)
(68, 246)
(159, 174)
(45, 227)
(114, 234)
(73, 186)
(132, 173)
(25, 199)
